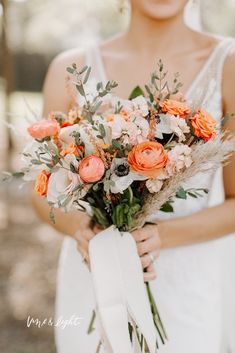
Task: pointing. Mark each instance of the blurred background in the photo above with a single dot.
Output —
(32, 32)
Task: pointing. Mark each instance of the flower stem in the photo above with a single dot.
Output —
(156, 317)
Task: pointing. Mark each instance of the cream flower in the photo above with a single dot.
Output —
(62, 183)
(29, 153)
(170, 124)
(129, 131)
(179, 127)
(179, 157)
(66, 136)
(154, 185)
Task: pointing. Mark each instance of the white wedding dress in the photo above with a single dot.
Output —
(189, 289)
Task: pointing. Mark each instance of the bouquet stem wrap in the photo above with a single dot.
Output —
(120, 292)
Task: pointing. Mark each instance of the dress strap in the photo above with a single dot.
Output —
(225, 49)
(209, 82)
(94, 60)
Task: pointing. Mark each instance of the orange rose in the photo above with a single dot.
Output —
(44, 128)
(41, 183)
(204, 125)
(72, 148)
(91, 169)
(148, 158)
(174, 107)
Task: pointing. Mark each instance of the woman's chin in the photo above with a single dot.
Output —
(160, 9)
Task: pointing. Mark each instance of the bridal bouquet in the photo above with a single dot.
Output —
(121, 159)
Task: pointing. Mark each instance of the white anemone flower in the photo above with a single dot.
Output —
(121, 176)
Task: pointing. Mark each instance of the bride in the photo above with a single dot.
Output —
(188, 282)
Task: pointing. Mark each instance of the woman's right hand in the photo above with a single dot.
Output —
(82, 236)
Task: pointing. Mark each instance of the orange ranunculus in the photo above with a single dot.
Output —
(175, 107)
(72, 148)
(41, 183)
(91, 169)
(44, 128)
(204, 125)
(148, 158)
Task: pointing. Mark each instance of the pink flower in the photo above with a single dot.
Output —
(44, 128)
(178, 158)
(91, 169)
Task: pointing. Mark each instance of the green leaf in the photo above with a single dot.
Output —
(70, 70)
(116, 144)
(99, 86)
(102, 130)
(72, 168)
(36, 162)
(137, 91)
(192, 195)
(18, 174)
(87, 75)
(167, 207)
(81, 90)
(181, 194)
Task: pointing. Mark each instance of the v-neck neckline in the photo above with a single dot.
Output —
(196, 79)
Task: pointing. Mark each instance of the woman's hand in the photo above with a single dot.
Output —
(148, 245)
(83, 235)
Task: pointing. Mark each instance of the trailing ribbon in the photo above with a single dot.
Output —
(120, 292)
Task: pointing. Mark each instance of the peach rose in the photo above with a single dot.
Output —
(91, 169)
(44, 128)
(41, 184)
(204, 125)
(148, 158)
(174, 107)
(72, 148)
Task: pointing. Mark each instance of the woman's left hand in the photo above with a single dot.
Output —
(148, 245)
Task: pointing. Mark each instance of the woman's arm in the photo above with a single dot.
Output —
(207, 224)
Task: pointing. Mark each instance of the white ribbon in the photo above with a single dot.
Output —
(120, 291)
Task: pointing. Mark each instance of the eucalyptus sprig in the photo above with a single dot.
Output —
(159, 89)
(81, 78)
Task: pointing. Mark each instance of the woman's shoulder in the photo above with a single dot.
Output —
(66, 58)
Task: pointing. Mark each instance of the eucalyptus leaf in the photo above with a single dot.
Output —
(137, 91)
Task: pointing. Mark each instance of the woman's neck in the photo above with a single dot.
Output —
(148, 35)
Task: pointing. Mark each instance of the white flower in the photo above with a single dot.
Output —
(179, 127)
(118, 125)
(140, 106)
(66, 136)
(143, 129)
(154, 185)
(164, 126)
(120, 183)
(179, 157)
(137, 107)
(29, 153)
(130, 131)
(62, 183)
(170, 124)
